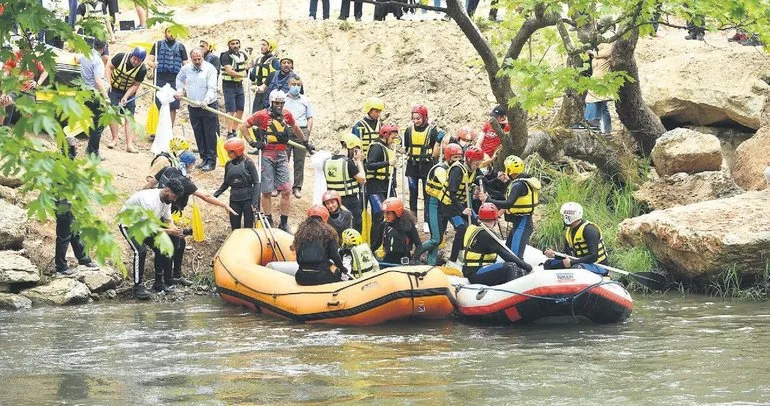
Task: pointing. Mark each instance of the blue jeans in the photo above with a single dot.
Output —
(599, 111)
(436, 3)
(314, 7)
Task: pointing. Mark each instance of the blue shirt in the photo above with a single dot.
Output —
(200, 84)
(92, 69)
(300, 108)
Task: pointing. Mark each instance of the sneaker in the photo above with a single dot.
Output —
(425, 228)
(162, 287)
(89, 265)
(181, 282)
(140, 27)
(453, 264)
(140, 292)
(297, 192)
(66, 272)
(284, 227)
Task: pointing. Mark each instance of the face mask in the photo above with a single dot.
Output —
(294, 90)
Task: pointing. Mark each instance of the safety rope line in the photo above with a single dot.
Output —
(557, 300)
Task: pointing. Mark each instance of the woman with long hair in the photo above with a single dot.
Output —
(397, 234)
(316, 244)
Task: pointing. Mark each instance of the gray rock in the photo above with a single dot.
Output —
(16, 269)
(111, 293)
(751, 159)
(683, 150)
(9, 301)
(99, 280)
(12, 226)
(682, 189)
(95, 297)
(12, 181)
(60, 291)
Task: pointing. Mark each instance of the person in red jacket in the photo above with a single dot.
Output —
(489, 141)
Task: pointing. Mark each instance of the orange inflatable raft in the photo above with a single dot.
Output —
(390, 294)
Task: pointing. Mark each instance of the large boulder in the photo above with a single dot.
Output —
(61, 291)
(683, 150)
(706, 87)
(9, 301)
(99, 280)
(682, 189)
(12, 226)
(751, 159)
(706, 238)
(14, 268)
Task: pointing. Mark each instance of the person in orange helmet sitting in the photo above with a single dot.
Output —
(397, 234)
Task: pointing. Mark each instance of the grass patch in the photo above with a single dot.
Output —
(730, 283)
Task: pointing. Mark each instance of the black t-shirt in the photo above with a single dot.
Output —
(189, 186)
(118, 59)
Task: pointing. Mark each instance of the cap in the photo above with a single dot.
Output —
(497, 111)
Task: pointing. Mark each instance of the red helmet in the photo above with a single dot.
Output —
(331, 195)
(317, 210)
(488, 211)
(235, 145)
(452, 149)
(466, 134)
(387, 129)
(473, 153)
(395, 205)
(421, 110)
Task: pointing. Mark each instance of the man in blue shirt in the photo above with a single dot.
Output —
(199, 81)
(300, 107)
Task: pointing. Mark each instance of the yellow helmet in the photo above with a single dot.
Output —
(271, 44)
(177, 145)
(513, 165)
(351, 238)
(209, 43)
(373, 103)
(350, 141)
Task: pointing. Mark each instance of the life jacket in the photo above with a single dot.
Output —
(461, 194)
(338, 178)
(277, 129)
(436, 180)
(363, 260)
(236, 174)
(171, 159)
(313, 252)
(394, 240)
(577, 242)
(383, 173)
(93, 10)
(342, 221)
(264, 68)
(367, 133)
(417, 144)
(122, 77)
(169, 57)
(239, 65)
(525, 205)
(474, 256)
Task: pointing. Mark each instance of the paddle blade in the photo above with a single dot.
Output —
(366, 226)
(221, 152)
(650, 280)
(197, 223)
(152, 119)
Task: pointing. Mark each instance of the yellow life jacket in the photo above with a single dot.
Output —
(363, 260)
(337, 177)
(367, 134)
(461, 194)
(577, 242)
(526, 204)
(383, 173)
(239, 65)
(263, 69)
(276, 129)
(122, 78)
(417, 150)
(472, 257)
(437, 178)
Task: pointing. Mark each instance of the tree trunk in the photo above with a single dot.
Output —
(573, 103)
(633, 112)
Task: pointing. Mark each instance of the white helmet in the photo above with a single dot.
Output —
(571, 212)
(277, 95)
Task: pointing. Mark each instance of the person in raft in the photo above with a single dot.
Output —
(583, 240)
(316, 244)
(339, 217)
(397, 234)
(360, 255)
(482, 250)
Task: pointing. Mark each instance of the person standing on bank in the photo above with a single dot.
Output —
(263, 67)
(167, 58)
(300, 107)
(199, 81)
(422, 144)
(126, 72)
(92, 73)
(243, 180)
(235, 66)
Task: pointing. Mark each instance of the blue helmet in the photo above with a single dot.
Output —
(187, 158)
(139, 52)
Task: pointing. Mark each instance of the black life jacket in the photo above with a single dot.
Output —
(236, 175)
(394, 240)
(313, 252)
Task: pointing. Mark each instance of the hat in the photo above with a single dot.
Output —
(497, 111)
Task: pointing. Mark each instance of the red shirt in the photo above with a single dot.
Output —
(262, 119)
(491, 141)
(13, 62)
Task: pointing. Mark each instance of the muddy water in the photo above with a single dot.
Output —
(674, 350)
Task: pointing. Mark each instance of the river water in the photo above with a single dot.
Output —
(674, 350)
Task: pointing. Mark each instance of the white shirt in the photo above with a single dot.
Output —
(149, 199)
(300, 108)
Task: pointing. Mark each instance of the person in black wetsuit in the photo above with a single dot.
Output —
(241, 176)
(340, 218)
(482, 250)
(316, 244)
(397, 234)
(583, 240)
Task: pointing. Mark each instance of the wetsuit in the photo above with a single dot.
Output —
(314, 267)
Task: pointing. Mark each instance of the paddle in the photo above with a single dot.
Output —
(652, 280)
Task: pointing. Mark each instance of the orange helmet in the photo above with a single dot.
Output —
(235, 145)
(387, 129)
(451, 150)
(317, 210)
(421, 110)
(395, 205)
(473, 153)
(331, 195)
(488, 211)
(466, 134)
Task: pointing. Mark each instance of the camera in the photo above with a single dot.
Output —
(187, 231)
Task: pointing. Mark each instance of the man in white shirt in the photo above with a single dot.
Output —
(300, 107)
(92, 73)
(159, 202)
(199, 81)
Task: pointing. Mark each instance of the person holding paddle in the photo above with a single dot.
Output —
(583, 240)
(380, 173)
